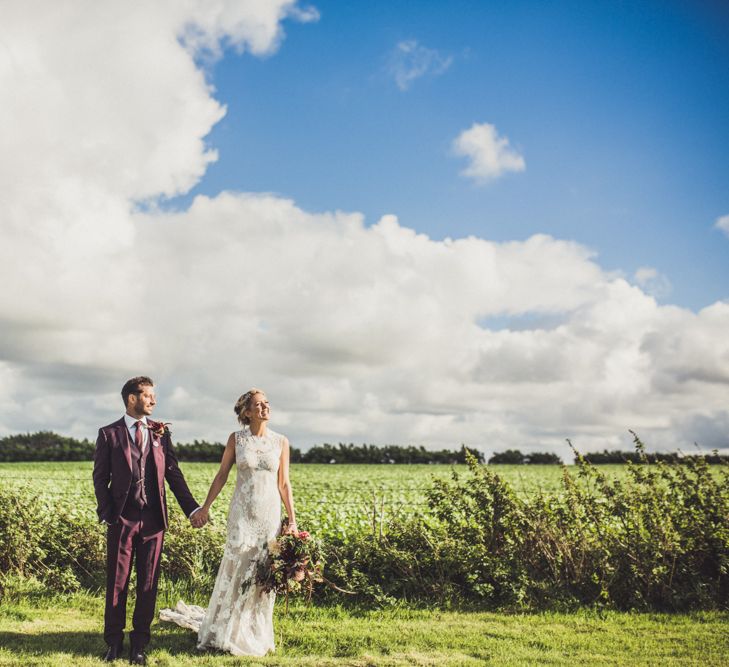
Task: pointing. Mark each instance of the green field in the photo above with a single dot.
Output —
(331, 500)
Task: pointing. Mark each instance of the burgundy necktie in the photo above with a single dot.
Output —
(139, 436)
(139, 442)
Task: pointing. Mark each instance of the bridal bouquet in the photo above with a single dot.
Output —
(294, 564)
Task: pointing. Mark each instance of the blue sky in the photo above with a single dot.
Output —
(620, 110)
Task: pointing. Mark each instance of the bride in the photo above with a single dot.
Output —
(239, 616)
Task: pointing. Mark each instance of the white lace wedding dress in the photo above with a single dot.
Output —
(239, 619)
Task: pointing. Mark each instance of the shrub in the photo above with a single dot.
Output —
(659, 540)
(192, 555)
(465, 551)
(56, 544)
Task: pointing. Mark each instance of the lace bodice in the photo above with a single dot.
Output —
(255, 509)
(254, 452)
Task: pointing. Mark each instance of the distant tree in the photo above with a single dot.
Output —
(543, 457)
(616, 456)
(44, 446)
(320, 454)
(350, 453)
(715, 457)
(200, 450)
(511, 456)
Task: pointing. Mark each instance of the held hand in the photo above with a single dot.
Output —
(200, 518)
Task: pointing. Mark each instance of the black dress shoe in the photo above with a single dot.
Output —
(113, 652)
(137, 656)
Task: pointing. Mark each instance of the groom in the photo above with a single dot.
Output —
(133, 458)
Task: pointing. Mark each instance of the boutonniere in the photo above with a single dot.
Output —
(159, 429)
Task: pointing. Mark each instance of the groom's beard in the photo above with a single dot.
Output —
(139, 411)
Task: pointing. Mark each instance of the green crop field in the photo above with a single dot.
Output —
(331, 500)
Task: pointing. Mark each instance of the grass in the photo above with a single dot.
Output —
(66, 631)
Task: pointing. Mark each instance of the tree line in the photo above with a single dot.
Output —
(516, 457)
(617, 456)
(49, 446)
(44, 446)
(351, 453)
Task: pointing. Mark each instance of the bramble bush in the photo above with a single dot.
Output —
(656, 540)
(55, 543)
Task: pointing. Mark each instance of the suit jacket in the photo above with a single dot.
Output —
(113, 471)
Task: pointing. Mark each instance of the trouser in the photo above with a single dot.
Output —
(127, 540)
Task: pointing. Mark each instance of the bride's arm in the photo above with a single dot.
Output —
(226, 463)
(284, 485)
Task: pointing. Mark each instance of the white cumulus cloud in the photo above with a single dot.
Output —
(488, 153)
(722, 223)
(108, 108)
(410, 61)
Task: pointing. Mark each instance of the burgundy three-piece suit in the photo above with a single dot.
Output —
(130, 495)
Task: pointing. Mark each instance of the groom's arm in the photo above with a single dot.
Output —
(176, 479)
(102, 476)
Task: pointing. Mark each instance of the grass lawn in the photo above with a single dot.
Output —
(67, 631)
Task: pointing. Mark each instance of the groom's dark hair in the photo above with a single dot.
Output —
(134, 386)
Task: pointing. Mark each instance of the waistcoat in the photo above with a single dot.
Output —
(143, 468)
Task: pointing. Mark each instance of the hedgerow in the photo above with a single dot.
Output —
(656, 540)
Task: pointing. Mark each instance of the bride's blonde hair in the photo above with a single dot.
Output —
(244, 403)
